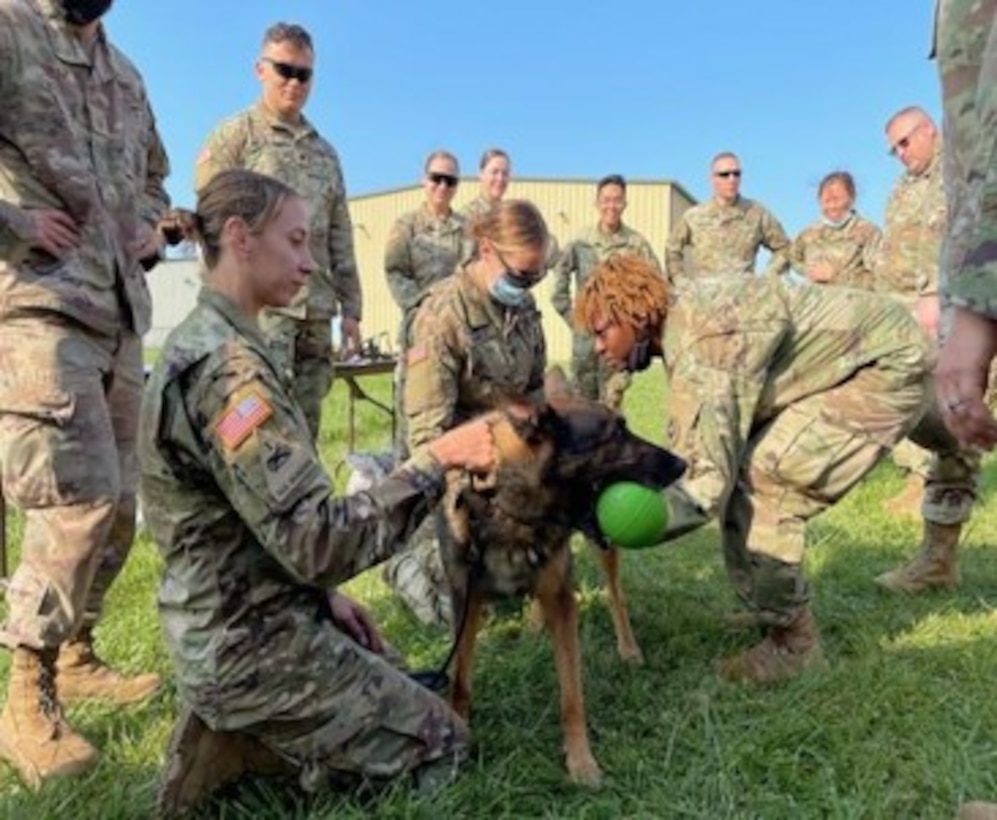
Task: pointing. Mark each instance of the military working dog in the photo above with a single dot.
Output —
(510, 535)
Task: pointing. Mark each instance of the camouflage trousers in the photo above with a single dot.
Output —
(592, 378)
(332, 709)
(796, 465)
(69, 406)
(419, 578)
(303, 347)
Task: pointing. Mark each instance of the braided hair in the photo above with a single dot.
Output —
(624, 290)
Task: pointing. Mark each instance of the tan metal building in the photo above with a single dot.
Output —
(568, 205)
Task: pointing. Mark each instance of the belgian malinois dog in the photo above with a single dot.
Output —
(510, 535)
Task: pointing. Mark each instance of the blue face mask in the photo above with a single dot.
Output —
(507, 291)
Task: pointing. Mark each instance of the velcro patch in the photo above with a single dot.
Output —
(244, 414)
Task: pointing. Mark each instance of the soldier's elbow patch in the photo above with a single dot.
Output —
(243, 414)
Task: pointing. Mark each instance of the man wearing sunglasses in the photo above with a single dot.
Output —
(604, 240)
(722, 236)
(274, 137)
(941, 483)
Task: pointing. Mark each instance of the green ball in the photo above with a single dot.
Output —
(631, 515)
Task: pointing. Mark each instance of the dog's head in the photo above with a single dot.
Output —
(555, 459)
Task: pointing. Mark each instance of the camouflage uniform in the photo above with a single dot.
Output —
(296, 154)
(711, 239)
(966, 48)
(477, 206)
(848, 248)
(906, 267)
(468, 353)
(781, 399)
(76, 134)
(572, 269)
(236, 497)
(422, 249)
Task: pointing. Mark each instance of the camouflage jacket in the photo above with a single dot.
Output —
(907, 261)
(77, 134)
(236, 497)
(468, 353)
(298, 156)
(966, 47)
(422, 249)
(738, 351)
(576, 262)
(850, 249)
(479, 205)
(711, 239)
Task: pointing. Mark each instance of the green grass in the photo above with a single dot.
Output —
(903, 723)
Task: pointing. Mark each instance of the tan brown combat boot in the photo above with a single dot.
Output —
(935, 565)
(908, 501)
(783, 654)
(977, 811)
(34, 736)
(82, 675)
(200, 760)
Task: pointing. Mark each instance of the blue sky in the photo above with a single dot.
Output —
(647, 88)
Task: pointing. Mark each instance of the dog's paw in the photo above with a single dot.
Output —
(584, 771)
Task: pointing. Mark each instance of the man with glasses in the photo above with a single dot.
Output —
(274, 137)
(943, 479)
(722, 236)
(604, 240)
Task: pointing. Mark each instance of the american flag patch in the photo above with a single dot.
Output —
(242, 417)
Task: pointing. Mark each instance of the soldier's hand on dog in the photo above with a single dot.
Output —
(470, 446)
(356, 622)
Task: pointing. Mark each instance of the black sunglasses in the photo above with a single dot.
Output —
(289, 71)
(903, 143)
(442, 179)
(725, 174)
(524, 279)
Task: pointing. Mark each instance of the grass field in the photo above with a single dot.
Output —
(903, 724)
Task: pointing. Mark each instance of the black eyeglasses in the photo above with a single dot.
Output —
(289, 71)
(736, 173)
(903, 143)
(524, 279)
(442, 179)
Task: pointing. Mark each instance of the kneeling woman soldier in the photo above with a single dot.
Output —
(780, 399)
(254, 543)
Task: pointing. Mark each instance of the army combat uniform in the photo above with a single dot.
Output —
(574, 266)
(468, 353)
(966, 49)
(781, 398)
(906, 268)
(297, 155)
(477, 206)
(235, 496)
(849, 249)
(711, 239)
(77, 135)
